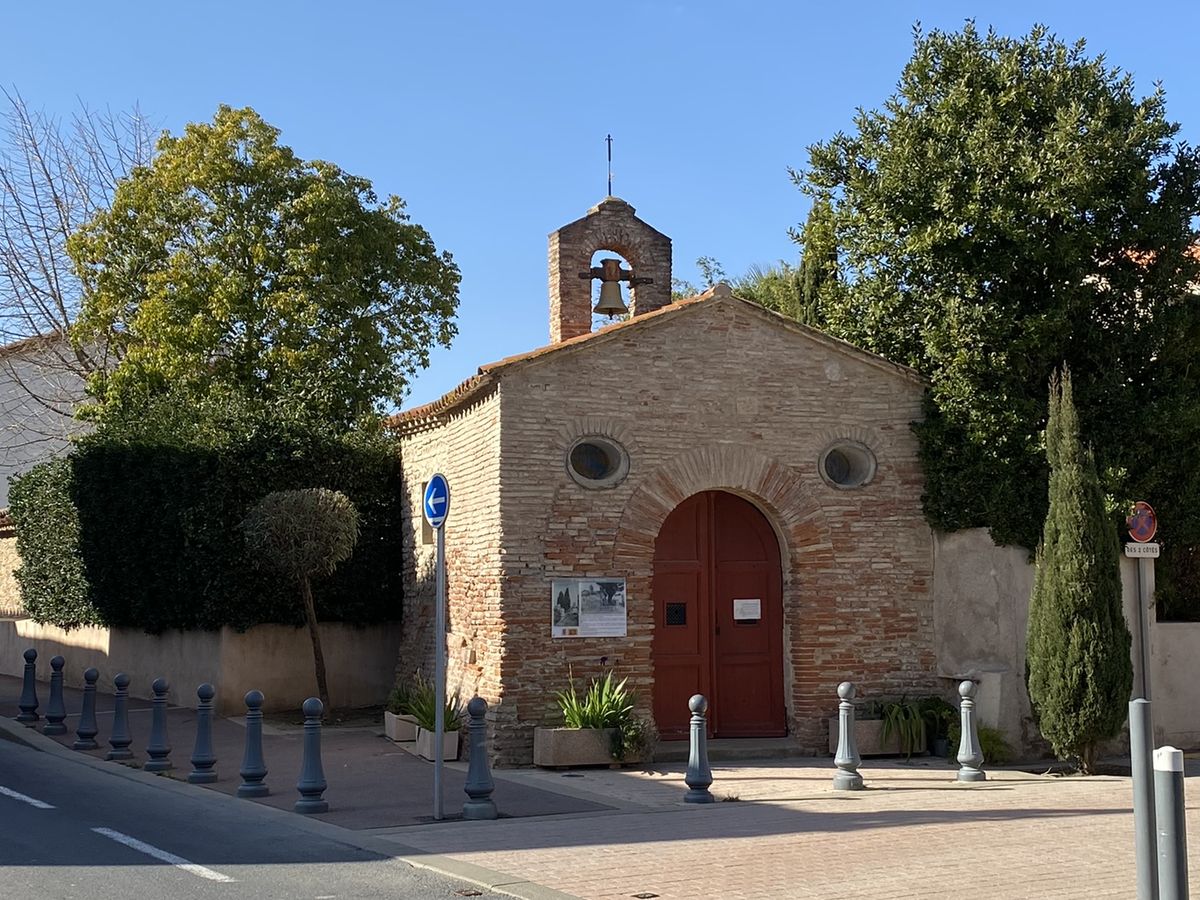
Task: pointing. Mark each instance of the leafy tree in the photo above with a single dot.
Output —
(1013, 206)
(817, 279)
(230, 266)
(304, 534)
(1078, 668)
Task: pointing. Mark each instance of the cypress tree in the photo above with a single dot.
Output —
(1077, 664)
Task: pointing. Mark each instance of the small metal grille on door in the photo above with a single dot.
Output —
(676, 614)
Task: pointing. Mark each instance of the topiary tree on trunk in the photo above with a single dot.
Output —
(1077, 664)
(304, 534)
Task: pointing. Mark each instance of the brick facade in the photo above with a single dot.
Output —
(610, 225)
(712, 393)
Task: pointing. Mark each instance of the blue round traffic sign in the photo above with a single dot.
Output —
(436, 502)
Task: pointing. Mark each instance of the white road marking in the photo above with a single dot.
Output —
(24, 798)
(177, 861)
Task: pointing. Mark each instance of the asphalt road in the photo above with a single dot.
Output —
(70, 831)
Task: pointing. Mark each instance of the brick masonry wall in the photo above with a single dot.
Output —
(466, 449)
(715, 397)
(610, 225)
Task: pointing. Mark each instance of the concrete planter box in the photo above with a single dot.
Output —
(399, 728)
(426, 744)
(564, 747)
(868, 734)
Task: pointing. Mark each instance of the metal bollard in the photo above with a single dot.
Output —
(120, 739)
(203, 758)
(1141, 764)
(698, 777)
(480, 785)
(312, 777)
(29, 701)
(56, 711)
(87, 730)
(157, 747)
(970, 756)
(847, 760)
(1172, 828)
(254, 767)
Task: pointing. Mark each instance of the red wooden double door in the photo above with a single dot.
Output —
(718, 619)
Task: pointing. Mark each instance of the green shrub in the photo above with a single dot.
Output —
(54, 586)
(158, 498)
(996, 750)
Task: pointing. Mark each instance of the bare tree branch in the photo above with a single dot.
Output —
(54, 177)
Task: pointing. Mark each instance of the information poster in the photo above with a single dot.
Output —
(587, 607)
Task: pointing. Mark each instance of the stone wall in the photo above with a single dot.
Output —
(10, 591)
(275, 659)
(721, 395)
(981, 596)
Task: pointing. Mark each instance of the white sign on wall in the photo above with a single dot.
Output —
(749, 610)
(587, 607)
(1143, 551)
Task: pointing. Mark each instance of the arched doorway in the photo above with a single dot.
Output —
(718, 618)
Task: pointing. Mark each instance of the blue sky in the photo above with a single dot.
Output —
(489, 119)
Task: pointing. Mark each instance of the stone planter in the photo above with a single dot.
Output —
(426, 744)
(868, 734)
(559, 748)
(399, 728)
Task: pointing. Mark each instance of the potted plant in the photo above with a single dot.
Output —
(939, 716)
(599, 727)
(399, 724)
(904, 719)
(884, 727)
(422, 706)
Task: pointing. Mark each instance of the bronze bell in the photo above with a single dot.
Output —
(610, 303)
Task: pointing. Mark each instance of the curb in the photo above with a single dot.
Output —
(500, 882)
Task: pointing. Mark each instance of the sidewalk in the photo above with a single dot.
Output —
(779, 829)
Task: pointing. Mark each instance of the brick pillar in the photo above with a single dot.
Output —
(609, 225)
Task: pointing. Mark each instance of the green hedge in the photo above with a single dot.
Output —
(140, 526)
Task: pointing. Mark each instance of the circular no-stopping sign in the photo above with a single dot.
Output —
(1142, 522)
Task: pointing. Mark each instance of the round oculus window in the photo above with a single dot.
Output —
(597, 462)
(847, 465)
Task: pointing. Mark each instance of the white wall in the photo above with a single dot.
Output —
(37, 388)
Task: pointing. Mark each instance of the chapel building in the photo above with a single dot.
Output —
(706, 497)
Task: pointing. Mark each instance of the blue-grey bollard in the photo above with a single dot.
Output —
(254, 767)
(312, 777)
(203, 758)
(847, 760)
(1141, 764)
(157, 747)
(120, 739)
(1172, 828)
(698, 777)
(970, 756)
(87, 730)
(480, 785)
(56, 711)
(29, 701)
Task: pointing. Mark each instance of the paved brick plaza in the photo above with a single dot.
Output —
(914, 834)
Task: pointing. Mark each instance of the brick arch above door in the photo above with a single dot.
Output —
(785, 496)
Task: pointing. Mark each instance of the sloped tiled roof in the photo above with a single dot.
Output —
(478, 385)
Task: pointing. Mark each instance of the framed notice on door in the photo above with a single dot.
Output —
(587, 607)
(747, 610)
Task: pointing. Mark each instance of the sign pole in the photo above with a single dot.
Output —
(1143, 525)
(435, 505)
(440, 674)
